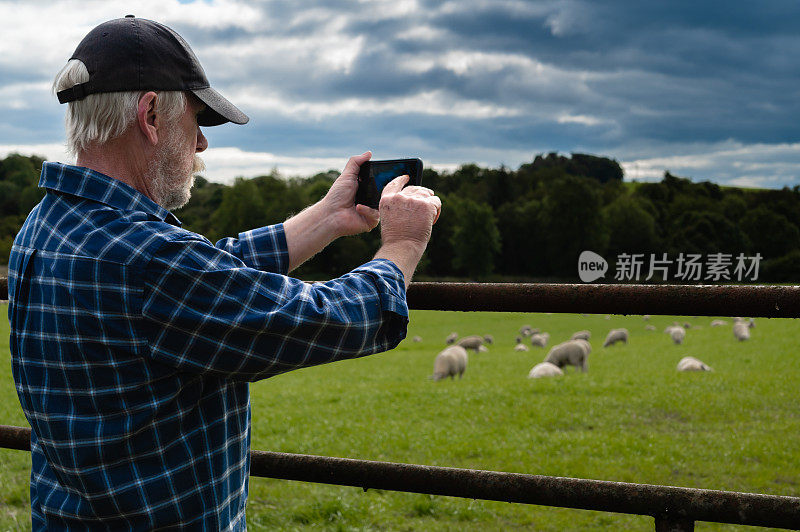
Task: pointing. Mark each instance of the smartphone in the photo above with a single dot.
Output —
(374, 175)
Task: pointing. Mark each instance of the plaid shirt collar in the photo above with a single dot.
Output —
(89, 184)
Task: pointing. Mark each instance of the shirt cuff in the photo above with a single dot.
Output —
(390, 283)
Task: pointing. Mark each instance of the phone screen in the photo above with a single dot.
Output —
(375, 175)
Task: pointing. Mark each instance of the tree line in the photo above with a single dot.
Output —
(527, 224)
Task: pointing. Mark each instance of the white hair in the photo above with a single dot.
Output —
(100, 117)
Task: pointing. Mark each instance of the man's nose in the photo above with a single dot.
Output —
(202, 141)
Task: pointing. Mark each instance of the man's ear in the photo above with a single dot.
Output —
(146, 117)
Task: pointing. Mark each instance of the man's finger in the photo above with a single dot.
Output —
(395, 185)
(355, 162)
(438, 204)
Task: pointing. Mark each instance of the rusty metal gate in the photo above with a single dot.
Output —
(673, 508)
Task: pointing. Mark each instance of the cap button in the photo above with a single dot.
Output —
(130, 16)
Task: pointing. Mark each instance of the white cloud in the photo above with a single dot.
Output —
(433, 103)
(753, 165)
(51, 152)
(40, 36)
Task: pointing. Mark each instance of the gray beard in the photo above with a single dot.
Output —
(171, 190)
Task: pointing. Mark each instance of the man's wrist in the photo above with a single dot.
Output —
(405, 254)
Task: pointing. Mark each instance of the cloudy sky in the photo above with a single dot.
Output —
(708, 90)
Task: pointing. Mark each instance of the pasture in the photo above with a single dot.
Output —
(631, 418)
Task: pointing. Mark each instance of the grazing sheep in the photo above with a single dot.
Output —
(416, 339)
(451, 338)
(692, 364)
(569, 353)
(687, 325)
(585, 345)
(526, 330)
(616, 335)
(581, 335)
(520, 346)
(719, 323)
(450, 362)
(649, 327)
(741, 330)
(677, 333)
(540, 339)
(489, 339)
(544, 369)
(473, 342)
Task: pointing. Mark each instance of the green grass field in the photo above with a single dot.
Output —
(631, 418)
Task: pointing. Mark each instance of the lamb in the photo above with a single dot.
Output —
(473, 342)
(570, 353)
(616, 335)
(451, 338)
(692, 364)
(540, 339)
(450, 362)
(719, 323)
(677, 333)
(581, 335)
(544, 369)
(741, 330)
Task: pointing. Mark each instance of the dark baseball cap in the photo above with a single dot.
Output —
(136, 54)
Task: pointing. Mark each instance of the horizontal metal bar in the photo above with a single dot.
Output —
(768, 301)
(668, 504)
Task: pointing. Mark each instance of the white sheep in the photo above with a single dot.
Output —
(616, 335)
(677, 333)
(692, 364)
(581, 335)
(473, 342)
(526, 330)
(520, 346)
(570, 353)
(416, 339)
(719, 323)
(649, 327)
(450, 362)
(544, 369)
(451, 338)
(741, 330)
(540, 339)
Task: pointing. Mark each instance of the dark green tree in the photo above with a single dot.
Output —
(475, 239)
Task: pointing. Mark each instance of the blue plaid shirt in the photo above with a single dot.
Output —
(133, 342)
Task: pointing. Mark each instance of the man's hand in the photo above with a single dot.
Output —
(335, 215)
(407, 217)
(346, 217)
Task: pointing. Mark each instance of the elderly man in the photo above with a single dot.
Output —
(133, 340)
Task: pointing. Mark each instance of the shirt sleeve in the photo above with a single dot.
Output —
(263, 249)
(206, 311)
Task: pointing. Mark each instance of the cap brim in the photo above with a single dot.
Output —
(218, 109)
